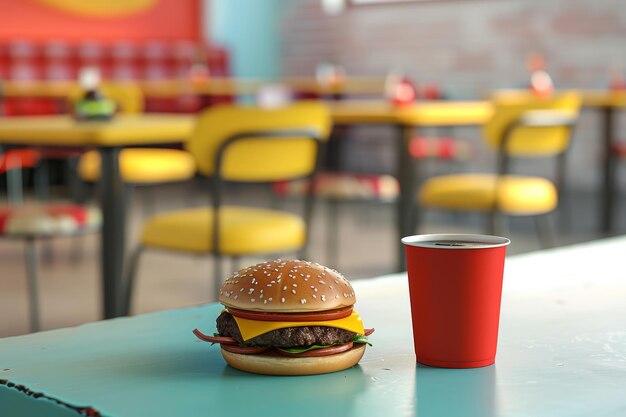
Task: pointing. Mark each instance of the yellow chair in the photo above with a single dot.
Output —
(138, 166)
(242, 145)
(522, 126)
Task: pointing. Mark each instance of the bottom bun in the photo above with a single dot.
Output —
(276, 364)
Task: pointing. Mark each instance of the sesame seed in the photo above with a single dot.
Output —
(269, 299)
(282, 300)
(264, 301)
(293, 291)
(314, 296)
(294, 285)
(323, 297)
(285, 288)
(302, 301)
(253, 300)
(236, 296)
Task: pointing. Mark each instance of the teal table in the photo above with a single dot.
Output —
(562, 352)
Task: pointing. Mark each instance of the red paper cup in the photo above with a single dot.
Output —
(455, 285)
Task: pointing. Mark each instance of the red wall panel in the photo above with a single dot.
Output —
(39, 20)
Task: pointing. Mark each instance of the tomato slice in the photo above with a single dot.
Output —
(331, 350)
(369, 331)
(246, 350)
(336, 314)
(223, 340)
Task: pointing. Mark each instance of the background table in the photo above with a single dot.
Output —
(562, 351)
(406, 121)
(608, 103)
(109, 137)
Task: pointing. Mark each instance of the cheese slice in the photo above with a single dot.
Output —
(253, 328)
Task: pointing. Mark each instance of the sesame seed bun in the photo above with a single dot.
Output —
(287, 287)
(275, 364)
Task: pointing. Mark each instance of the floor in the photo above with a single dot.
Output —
(69, 267)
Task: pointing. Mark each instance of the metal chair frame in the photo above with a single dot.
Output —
(216, 190)
(528, 119)
(15, 195)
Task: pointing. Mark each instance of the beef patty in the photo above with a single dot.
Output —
(286, 338)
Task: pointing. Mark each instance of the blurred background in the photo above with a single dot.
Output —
(187, 56)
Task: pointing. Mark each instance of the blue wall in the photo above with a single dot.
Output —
(250, 31)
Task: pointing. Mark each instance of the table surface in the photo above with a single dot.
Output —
(122, 130)
(214, 86)
(561, 351)
(423, 113)
(220, 86)
(155, 128)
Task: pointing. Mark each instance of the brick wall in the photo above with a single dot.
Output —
(470, 47)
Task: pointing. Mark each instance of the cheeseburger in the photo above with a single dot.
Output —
(289, 318)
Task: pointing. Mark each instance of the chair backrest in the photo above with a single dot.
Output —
(254, 160)
(530, 141)
(127, 94)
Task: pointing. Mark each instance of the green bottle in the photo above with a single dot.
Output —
(93, 105)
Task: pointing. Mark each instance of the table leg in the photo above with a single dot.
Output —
(113, 227)
(406, 178)
(609, 171)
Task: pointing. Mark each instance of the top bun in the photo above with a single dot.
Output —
(288, 287)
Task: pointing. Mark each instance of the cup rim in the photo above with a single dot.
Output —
(486, 241)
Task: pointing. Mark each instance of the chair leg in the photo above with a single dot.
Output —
(33, 289)
(15, 186)
(217, 275)
(544, 230)
(129, 280)
(78, 191)
(42, 180)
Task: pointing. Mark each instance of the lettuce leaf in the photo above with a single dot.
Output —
(359, 338)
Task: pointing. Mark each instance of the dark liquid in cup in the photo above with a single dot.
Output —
(456, 244)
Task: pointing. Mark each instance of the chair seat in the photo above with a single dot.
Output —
(345, 186)
(516, 195)
(18, 158)
(143, 165)
(244, 231)
(47, 219)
